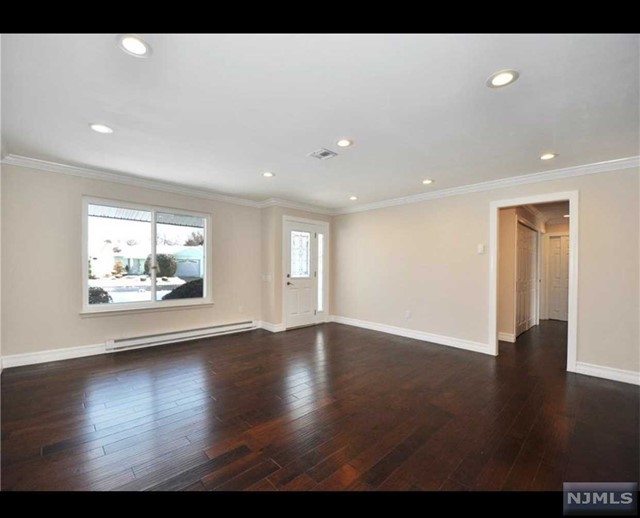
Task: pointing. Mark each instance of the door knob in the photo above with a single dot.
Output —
(289, 283)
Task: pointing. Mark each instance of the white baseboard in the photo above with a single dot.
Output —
(417, 335)
(268, 326)
(68, 353)
(507, 337)
(609, 373)
(53, 355)
(127, 344)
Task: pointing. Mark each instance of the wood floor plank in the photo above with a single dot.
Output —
(250, 477)
(213, 481)
(343, 478)
(190, 476)
(262, 485)
(331, 407)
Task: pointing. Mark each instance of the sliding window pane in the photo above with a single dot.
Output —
(119, 242)
(180, 253)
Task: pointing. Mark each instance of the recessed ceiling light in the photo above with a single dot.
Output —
(344, 142)
(566, 216)
(353, 198)
(134, 45)
(548, 156)
(502, 78)
(101, 128)
(428, 181)
(268, 174)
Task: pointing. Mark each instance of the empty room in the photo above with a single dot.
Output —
(321, 262)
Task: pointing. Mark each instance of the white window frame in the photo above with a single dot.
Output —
(152, 305)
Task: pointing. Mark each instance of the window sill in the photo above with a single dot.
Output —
(127, 311)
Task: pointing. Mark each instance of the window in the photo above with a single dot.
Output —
(143, 257)
(320, 273)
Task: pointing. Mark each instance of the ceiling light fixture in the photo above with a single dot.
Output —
(134, 45)
(428, 181)
(353, 198)
(548, 156)
(268, 174)
(101, 128)
(566, 216)
(502, 78)
(344, 142)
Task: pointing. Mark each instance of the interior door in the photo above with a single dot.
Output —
(301, 281)
(558, 277)
(527, 278)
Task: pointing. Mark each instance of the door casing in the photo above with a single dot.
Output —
(572, 335)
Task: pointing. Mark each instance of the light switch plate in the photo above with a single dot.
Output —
(481, 248)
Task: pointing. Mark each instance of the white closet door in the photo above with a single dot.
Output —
(558, 277)
(527, 278)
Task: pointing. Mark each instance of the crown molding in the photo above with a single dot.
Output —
(555, 174)
(287, 204)
(159, 185)
(534, 211)
(126, 179)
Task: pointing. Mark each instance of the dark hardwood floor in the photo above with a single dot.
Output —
(325, 408)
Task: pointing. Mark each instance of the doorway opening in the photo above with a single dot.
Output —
(305, 287)
(534, 270)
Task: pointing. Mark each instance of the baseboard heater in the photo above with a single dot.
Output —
(122, 344)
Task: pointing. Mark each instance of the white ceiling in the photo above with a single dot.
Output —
(215, 111)
(552, 212)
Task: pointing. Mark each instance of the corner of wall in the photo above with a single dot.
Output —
(268, 226)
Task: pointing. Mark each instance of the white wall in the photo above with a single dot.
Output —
(270, 304)
(422, 257)
(507, 228)
(41, 263)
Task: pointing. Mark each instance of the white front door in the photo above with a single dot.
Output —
(527, 278)
(301, 274)
(558, 277)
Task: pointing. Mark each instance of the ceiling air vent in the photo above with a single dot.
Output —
(322, 154)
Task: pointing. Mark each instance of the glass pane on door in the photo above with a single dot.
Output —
(300, 254)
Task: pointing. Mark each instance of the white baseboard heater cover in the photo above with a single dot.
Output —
(137, 342)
